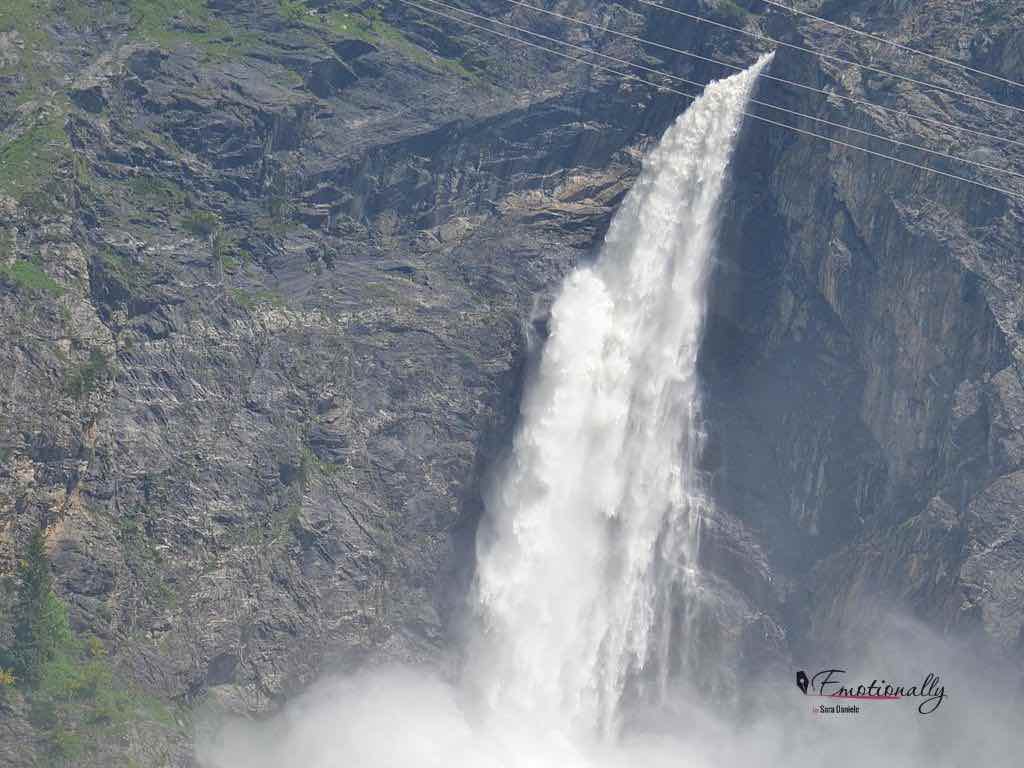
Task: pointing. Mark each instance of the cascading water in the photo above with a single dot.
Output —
(598, 511)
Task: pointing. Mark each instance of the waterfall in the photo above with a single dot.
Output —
(597, 513)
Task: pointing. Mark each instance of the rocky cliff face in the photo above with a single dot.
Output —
(270, 275)
(865, 361)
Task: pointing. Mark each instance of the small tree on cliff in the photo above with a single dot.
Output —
(40, 622)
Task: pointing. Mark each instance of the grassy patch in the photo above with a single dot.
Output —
(171, 22)
(311, 462)
(30, 277)
(165, 22)
(31, 20)
(225, 245)
(369, 26)
(228, 249)
(84, 378)
(201, 223)
(293, 10)
(251, 299)
(133, 278)
(156, 192)
(29, 163)
(279, 209)
(231, 264)
(27, 18)
(907, 525)
(168, 23)
(83, 13)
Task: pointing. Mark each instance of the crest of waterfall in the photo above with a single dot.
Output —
(595, 521)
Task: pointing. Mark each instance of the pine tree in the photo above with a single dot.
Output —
(40, 623)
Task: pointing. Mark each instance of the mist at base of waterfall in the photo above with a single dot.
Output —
(397, 717)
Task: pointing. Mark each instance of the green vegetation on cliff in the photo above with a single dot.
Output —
(75, 698)
(29, 162)
(40, 624)
(172, 22)
(369, 25)
(83, 379)
(28, 276)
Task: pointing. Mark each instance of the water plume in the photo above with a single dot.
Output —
(598, 511)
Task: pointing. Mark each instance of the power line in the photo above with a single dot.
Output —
(893, 43)
(627, 76)
(830, 57)
(759, 102)
(766, 76)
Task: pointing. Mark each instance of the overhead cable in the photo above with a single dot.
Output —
(899, 46)
(766, 76)
(759, 102)
(635, 78)
(831, 57)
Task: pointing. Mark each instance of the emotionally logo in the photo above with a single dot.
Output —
(828, 683)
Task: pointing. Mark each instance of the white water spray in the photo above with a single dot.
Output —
(599, 508)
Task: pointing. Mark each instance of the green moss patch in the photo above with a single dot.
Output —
(253, 298)
(369, 26)
(29, 277)
(82, 379)
(171, 22)
(30, 162)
